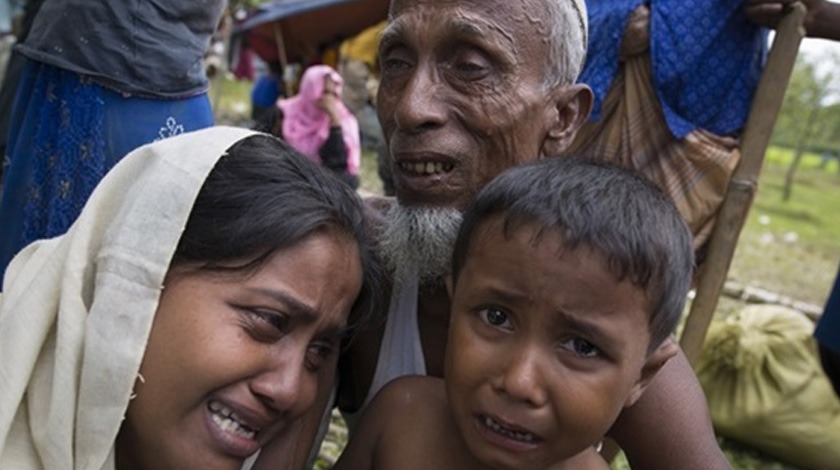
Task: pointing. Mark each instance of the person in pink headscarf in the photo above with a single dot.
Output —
(317, 124)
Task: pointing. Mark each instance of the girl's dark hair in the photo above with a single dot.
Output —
(614, 211)
(263, 196)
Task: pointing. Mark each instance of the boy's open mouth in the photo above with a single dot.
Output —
(504, 430)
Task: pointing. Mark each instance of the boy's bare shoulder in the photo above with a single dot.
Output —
(412, 394)
(418, 419)
(398, 427)
(402, 398)
(589, 459)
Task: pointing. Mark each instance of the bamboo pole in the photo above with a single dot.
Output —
(288, 81)
(733, 212)
(219, 79)
(281, 45)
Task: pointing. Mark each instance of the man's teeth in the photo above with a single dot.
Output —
(228, 421)
(518, 436)
(427, 168)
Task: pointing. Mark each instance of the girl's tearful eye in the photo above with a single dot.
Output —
(265, 326)
(318, 352)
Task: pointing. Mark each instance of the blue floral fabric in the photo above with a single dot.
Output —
(66, 133)
(706, 57)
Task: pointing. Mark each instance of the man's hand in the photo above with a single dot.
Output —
(822, 19)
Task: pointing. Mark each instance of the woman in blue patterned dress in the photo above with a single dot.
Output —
(102, 78)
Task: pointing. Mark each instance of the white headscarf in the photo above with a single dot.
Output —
(76, 310)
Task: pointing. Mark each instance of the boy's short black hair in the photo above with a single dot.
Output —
(614, 211)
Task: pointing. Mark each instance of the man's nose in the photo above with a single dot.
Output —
(420, 105)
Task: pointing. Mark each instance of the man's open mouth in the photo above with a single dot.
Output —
(426, 168)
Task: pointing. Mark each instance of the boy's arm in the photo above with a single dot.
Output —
(670, 425)
(389, 403)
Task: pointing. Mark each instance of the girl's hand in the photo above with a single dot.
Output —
(330, 104)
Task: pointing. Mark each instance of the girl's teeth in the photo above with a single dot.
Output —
(230, 426)
(228, 421)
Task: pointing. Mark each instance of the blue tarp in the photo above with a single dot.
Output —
(284, 9)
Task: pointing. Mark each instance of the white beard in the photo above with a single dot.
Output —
(420, 238)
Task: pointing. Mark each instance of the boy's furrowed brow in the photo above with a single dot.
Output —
(507, 297)
(583, 326)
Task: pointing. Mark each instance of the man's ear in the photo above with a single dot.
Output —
(653, 363)
(571, 107)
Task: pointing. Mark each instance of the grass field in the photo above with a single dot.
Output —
(791, 248)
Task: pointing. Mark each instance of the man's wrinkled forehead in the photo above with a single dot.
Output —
(466, 25)
(488, 12)
(479, 20)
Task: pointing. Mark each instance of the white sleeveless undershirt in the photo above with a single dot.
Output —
(400, 352)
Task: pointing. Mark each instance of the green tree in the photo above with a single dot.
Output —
(802, 124)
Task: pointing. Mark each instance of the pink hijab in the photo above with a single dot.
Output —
(306, 126)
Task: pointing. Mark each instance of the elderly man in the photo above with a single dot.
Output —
(468, 89)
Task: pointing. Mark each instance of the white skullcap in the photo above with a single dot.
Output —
(580, 6)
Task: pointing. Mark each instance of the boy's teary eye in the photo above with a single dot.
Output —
(580, 347)
(495, 317)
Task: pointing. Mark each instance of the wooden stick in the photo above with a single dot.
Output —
(733, 212)
(281, 44)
